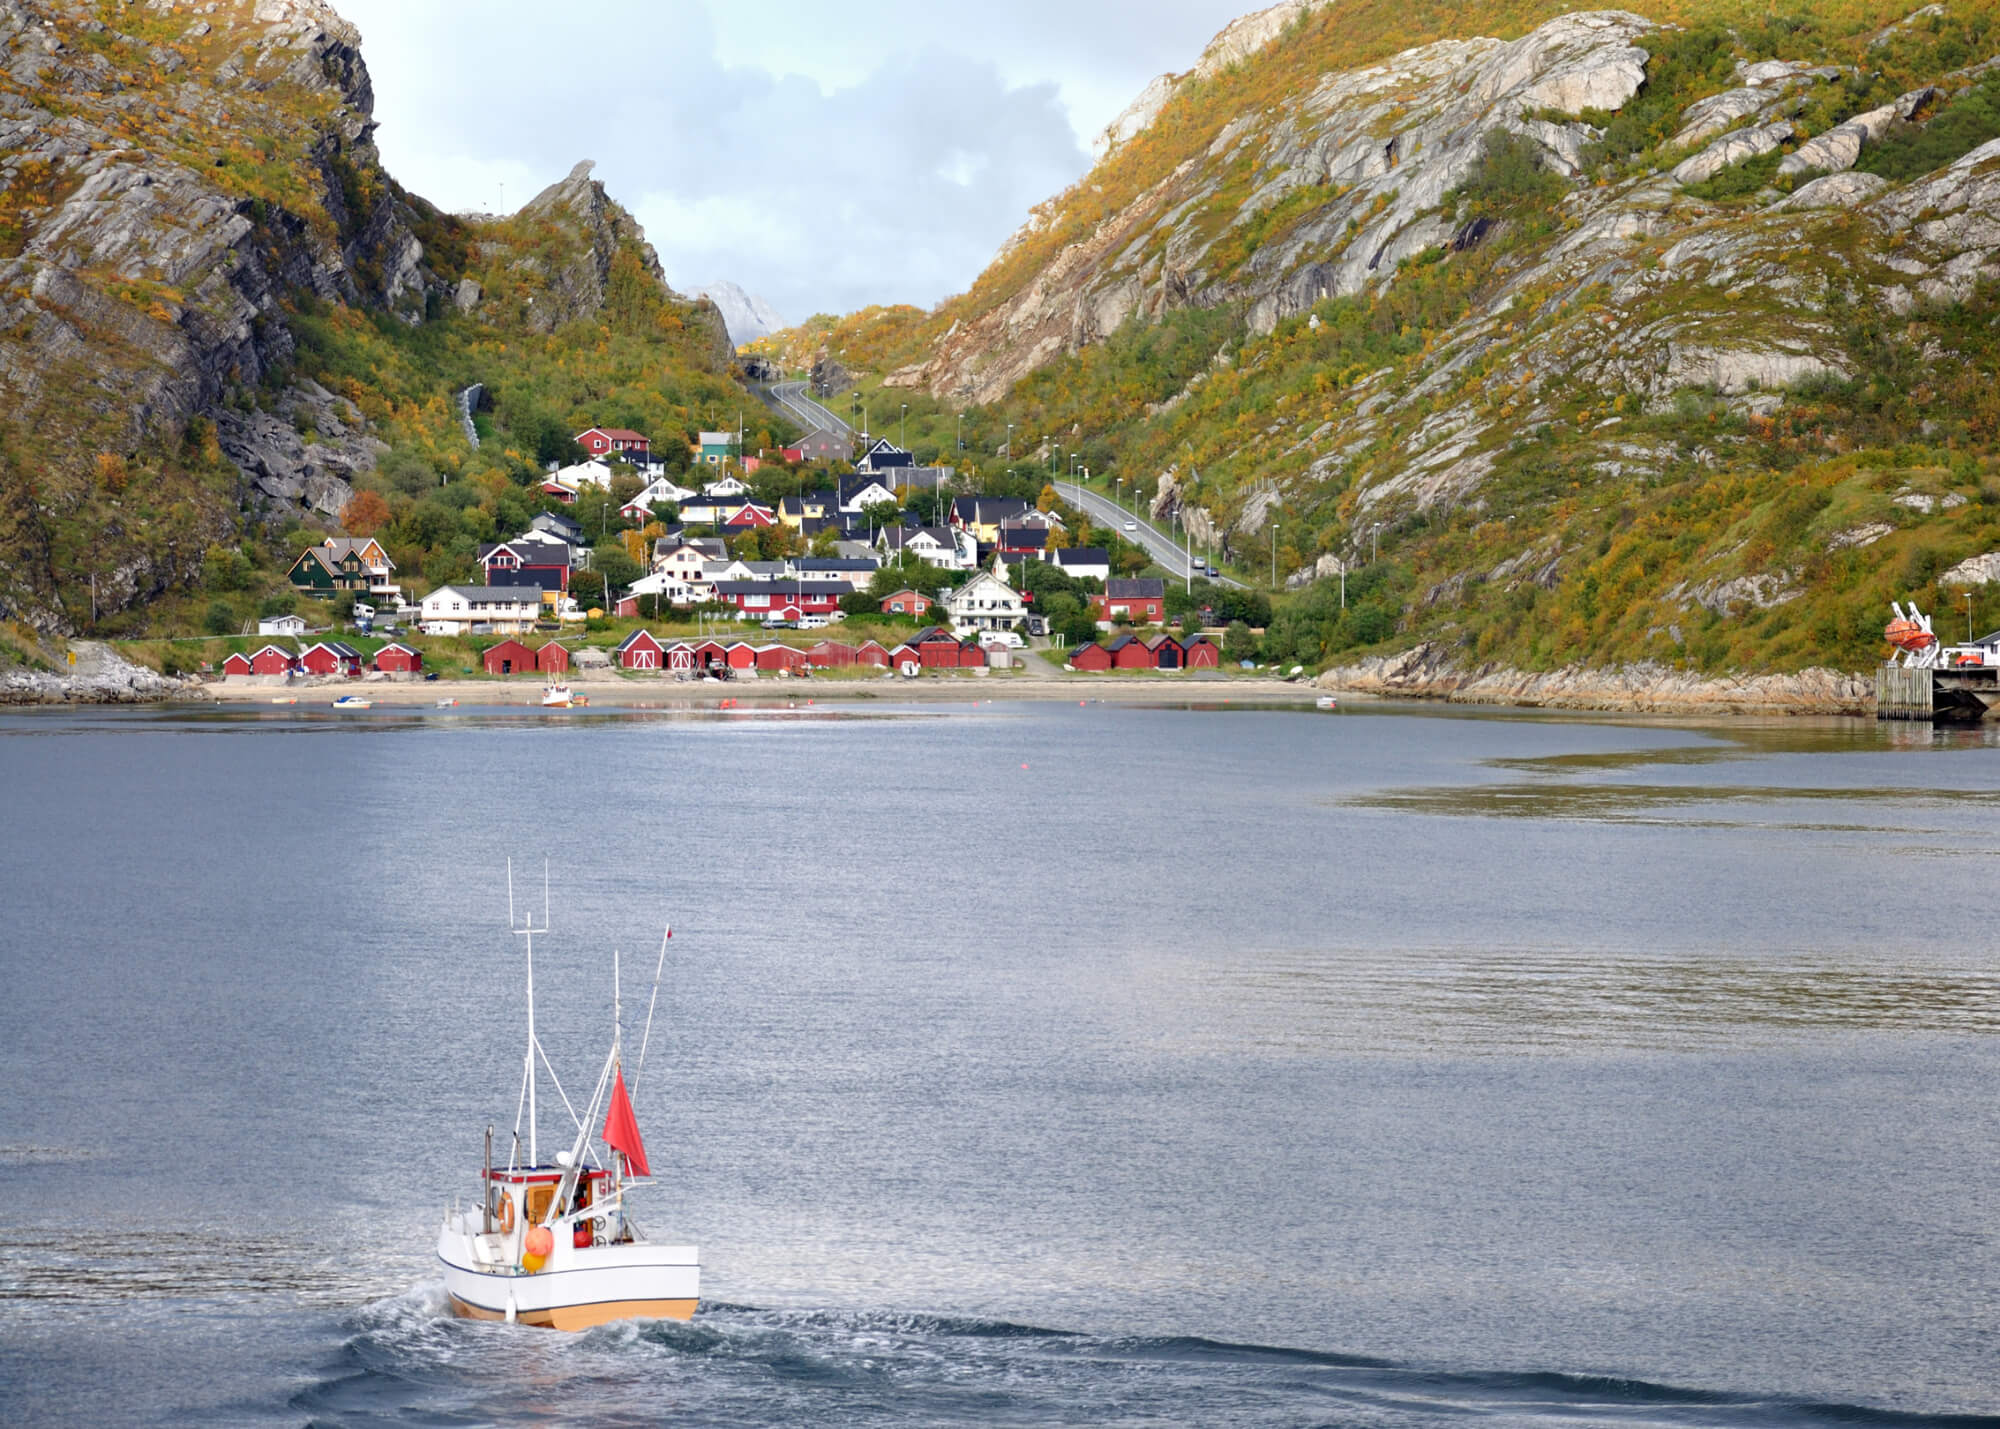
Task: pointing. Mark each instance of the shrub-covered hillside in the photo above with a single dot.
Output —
(221, 322)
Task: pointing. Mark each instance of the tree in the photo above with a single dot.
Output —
(366, 514)
(1048, 500)
(1238, 643)
(220, 619)
(615, 566)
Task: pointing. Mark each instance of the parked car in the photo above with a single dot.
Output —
(1007, 639)
(1131, 525)
(812, 622)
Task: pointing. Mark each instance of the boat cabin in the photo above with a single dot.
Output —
(509, 1192)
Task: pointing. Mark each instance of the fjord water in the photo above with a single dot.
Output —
(1015, 1063)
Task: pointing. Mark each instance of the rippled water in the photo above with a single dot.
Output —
(1017, 1064)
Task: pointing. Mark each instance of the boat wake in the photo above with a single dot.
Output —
(735, 1364)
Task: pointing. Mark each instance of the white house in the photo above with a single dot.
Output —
(640, 507)
(946, 546)
(1084, 562)
(723, 487)
(684, 556)
(281, 625)
(502, 610)
(858, 495)
(986, 602)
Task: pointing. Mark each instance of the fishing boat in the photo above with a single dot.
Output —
(552, 1243)
(559, 696)
(353, 702)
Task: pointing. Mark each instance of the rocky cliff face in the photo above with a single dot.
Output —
(1324, 194)
(174, 180)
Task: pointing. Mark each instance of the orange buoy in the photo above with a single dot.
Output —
(535, 1248)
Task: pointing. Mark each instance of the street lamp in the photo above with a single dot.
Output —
(1274, 555)
(1968, 617)
(1375, 543)
(958, 434)
(903, 431)
(1009, 447)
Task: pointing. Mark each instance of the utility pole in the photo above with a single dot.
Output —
(1274, 556)
(1968, 617)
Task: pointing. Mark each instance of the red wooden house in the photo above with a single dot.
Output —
(1129, 652)
(781, 657)
(552, 659)
(1166, 652)
(710, 655)
(782, 600)
(740, 656)
(1202, 653)
(639, 651)
(330, 657)
(872, 652)
(906, 602)
(680, 658)
(272, 660)
(751, 516)
(613, 441)
(398, 659)
(1144, 602)
(831, 655)
(509, 657)
(1090, 657)
(237, 664)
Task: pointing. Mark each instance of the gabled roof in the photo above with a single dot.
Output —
(634, 638)
(836, 563)
(1145, 588)
(511, 595)
(1081, 556)
(617, 434)
(1121, 642)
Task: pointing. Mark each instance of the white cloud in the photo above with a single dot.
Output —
(822, 159)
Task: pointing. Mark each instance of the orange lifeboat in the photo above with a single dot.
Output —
(1906, 634)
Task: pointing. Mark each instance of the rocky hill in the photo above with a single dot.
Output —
(218, 312)
(1590, 338)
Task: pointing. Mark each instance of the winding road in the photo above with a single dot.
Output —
(794, 400)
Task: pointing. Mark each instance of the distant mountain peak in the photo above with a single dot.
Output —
(747, 317)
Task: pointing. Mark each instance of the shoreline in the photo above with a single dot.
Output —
(1428, 673)
(618, 692)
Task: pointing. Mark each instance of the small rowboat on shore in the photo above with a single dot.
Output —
(285, 700)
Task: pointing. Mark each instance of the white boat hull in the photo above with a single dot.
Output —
(578, 1288)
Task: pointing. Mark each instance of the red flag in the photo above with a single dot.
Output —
(621, 1129)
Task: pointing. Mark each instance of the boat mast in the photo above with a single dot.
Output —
(527, 932)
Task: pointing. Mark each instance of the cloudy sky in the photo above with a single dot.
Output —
(822, 156)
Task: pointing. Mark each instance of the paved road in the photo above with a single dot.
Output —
(1158, 544)
(795, 400)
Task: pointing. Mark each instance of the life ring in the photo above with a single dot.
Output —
(506, 1214)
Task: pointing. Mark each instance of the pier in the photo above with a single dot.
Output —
(1962, 695)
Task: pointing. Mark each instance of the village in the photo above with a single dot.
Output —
(987, 584)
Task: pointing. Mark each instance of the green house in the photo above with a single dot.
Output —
(715, 448)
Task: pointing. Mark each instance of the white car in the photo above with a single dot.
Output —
(1131, 525)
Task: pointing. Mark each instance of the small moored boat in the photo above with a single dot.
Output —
(1326, 702)
(353, 702)
(552, 1243)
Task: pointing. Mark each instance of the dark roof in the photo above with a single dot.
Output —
(1023, 538)
(835, 563)
(783, 587)
(1145, 588)
(1081, 556)
(1120, 643)
(989, 508)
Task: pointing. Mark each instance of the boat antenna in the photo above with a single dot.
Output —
(653, 1002)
